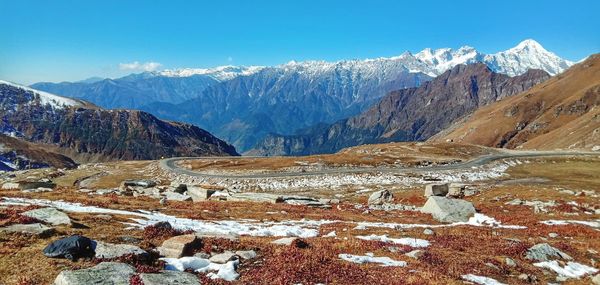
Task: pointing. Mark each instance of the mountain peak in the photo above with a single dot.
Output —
(530, 44)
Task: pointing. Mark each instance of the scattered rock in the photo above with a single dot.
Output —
(36, 229)
(199, 194)
(222, 258)
(415, 253)
(596, 279)
(172, 196)
(179, 246)
(255, 197)
(231, 237)
(181, 188)
(10, 186)
(169, 277)
(553, 235)
(29, 185)
(105, 273)
(448, 210)
(146, 183)
(436, 189)
(529, 278)
(428, 232)
(106, 250)
(285, 241)
(510, 262)
(380, 197)
(393, 207)
(202, 255)
(72, 248)
(49, 215)
(545, 252)
(246, 254)
(456, 190)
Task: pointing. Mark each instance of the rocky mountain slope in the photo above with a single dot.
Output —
(244, 104)
(563, 112)
(16, 154)
(413, 114)
(88, 132)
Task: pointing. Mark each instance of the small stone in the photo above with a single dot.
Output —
(553, 235)
(246, 254)
(428, 232)
(285, 241)
(527, 278)
(415, 253)
(380, 197)
(106, 250)
(179, 246)
(199, 193)
(545, 252)
(36, 229)
(222, 258)
(202, 255)
(510, 262)
(436, 190)
(49, 215)
(105, 273)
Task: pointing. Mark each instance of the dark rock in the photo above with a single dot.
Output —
(72, 248)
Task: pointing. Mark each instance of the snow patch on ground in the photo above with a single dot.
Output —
(413, 242)
(593, 224)
(223, 271)
(571, 270)
(481, 280)
(478, 220)
(369, 258)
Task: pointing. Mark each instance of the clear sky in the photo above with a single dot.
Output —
(64, 40)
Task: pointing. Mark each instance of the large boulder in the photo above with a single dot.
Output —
(448, 210)
(256, 197)
(380, 197)
(169, 277)
(223, 257)
(545, 252)
(72, 248)
(106, 250)
(436, 189)
(105, 273)
(49, 215)
(199, 194)
(145, 183)
(174, 196)
(36, 229)
(179, 246)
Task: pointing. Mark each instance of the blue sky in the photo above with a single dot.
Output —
(64, 40)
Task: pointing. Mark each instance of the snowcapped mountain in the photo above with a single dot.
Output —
(45, 98)
(220, 73)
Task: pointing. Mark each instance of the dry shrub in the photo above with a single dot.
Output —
(136, 280)
(12, 215)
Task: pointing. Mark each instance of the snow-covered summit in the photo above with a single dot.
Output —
(47, 98)
(220, 73)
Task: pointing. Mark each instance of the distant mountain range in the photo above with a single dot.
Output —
(563, 112)
(242, 105)
(412, 114)
(88, 133)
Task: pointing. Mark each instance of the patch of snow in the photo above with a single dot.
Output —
(593, 224)
(47, 98)
(361, 259)
(571, 270)
(413, 242)
(478, 220)
(481, 280)
(223, 271)
(220, 73)
(331, 234)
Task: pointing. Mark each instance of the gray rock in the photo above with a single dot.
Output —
(178, 246)
(169, 277)
(428, 232)
(448, 210)
(105, 273)
(231, 237)
(109, 250)
(246, 254)
(146, 183)
(49, 215)
(553, 235)
(436, 189)
(456, 190)
(380, 197)
(222, 258)
(285, 241)
(172, 196)
(255, 197)
(202, 255)
(596, 279)
(545, 252)
(199, 194)
(36, 229)
(180, 188)
(510, 262)
(10, 186)
(415, 253)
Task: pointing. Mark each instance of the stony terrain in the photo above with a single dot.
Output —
(513, 221)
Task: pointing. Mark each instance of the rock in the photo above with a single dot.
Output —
(231, 237)
(456, 190)
(428, 232)
(255, 197)
(49, 215)
(199, 194)
(10, 186)
(596, 279)
(163, 226)
(106, 250)
(28, 185)
(510, 262)
(72, 248)
(222, 258)
(553, 235)
(181, 188)
(545, 252)
(172, 196)
(105, 273)
(304, 201)
(179, 246)
(415, 253)
(246, 254)
(448, 210)
(36, 229)
(38, 190)
(169, 277)
(436, 189)
(202, 255)
(146, 183)
(380, 197)
(285, 241)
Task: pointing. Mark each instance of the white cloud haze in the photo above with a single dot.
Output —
(140, 66)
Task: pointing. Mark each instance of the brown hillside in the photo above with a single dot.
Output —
(563, 112)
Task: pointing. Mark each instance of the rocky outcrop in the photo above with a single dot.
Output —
(448, 210)
(81, 129)
(412, 114)
(105, 273)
